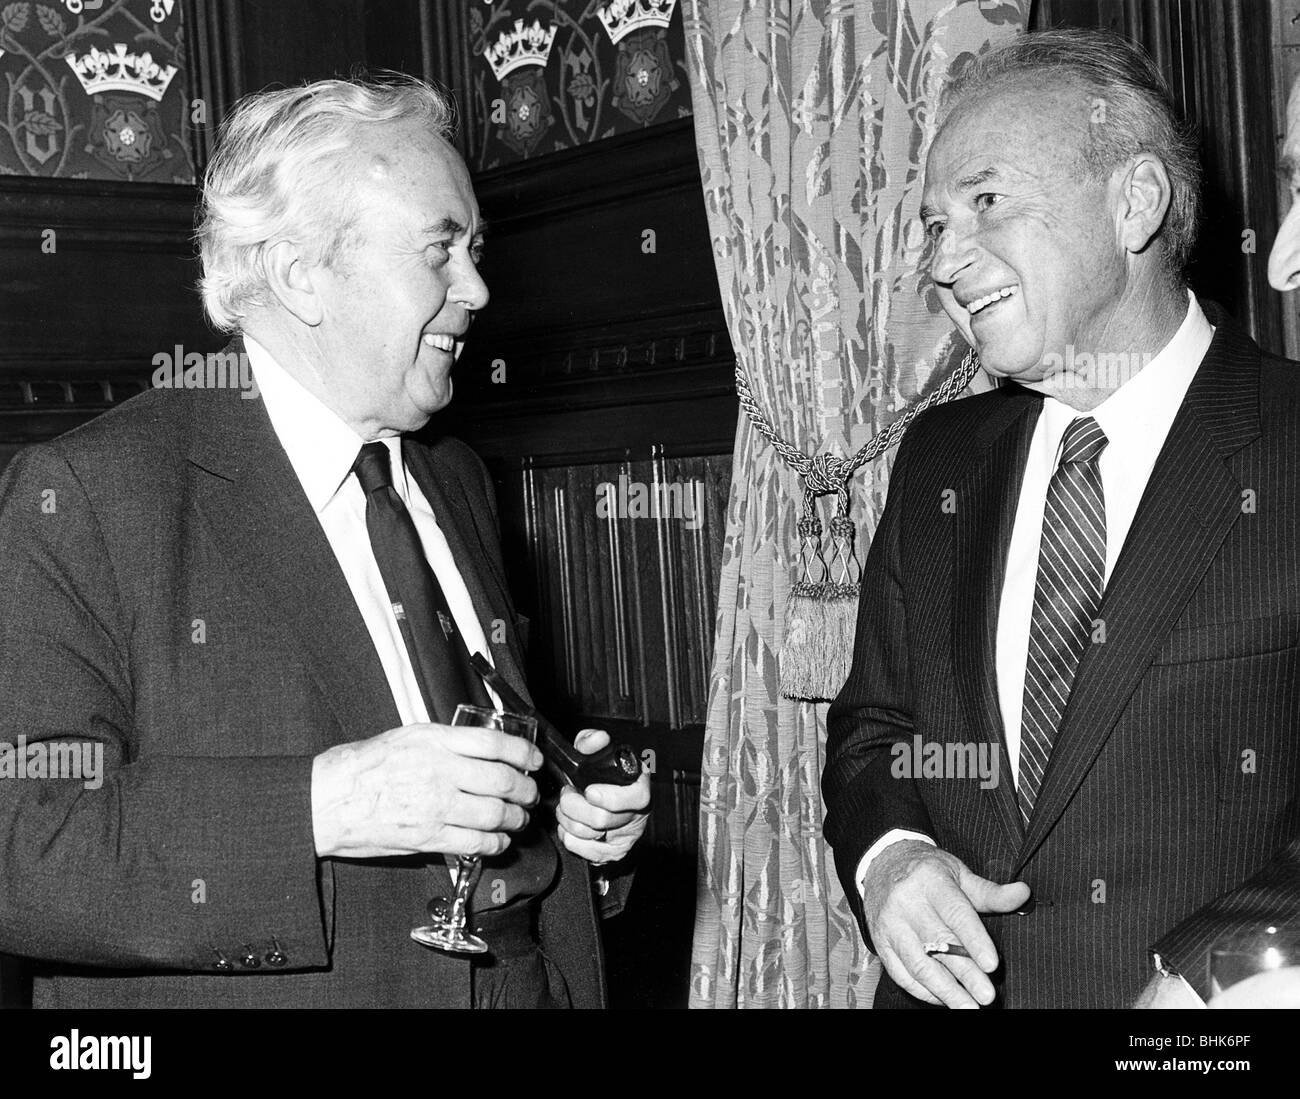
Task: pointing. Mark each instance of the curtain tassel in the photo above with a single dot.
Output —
(821, 614)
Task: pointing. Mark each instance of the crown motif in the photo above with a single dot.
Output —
(119, 71)
(622, 17)
(520, 46)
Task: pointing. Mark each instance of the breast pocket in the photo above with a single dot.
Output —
(1228, 640)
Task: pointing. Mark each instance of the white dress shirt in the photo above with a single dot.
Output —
(322, 448)
(1136, 418)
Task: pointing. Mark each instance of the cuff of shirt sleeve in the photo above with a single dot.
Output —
(891, 837)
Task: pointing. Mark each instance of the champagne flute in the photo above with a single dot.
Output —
(447, 931)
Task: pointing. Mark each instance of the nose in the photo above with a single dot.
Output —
(953, 253)
(470, 289)
(1284, 259)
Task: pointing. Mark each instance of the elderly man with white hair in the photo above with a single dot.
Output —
(263, 610)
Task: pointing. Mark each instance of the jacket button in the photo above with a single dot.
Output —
(998, 870)
(222, 964)
(438, 908)
(601, 886)
(248, 959)
(276, 956)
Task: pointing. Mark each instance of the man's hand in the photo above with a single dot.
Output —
(422, 789)
(602, 824)
(1164, 990)
(915, 894)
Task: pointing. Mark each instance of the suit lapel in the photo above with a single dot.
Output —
(454, 512)
(985, 512)
(1190, 504)
(260, 516)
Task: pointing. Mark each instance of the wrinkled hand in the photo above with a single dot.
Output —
(1167, 991)
(914, 894)
(603, 823)
(451, 789)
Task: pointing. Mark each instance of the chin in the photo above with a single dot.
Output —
(998, 365)
(431, 404)
(427, 392)
(1015, 362)
(443, 397)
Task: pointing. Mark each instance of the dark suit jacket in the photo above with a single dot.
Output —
(1168, 813)
(182, 606)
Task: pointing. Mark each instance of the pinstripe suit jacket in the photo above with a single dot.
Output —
(1168, 814)
(181, 605)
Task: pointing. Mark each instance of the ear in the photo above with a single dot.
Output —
(293, 281)
(1144, 198)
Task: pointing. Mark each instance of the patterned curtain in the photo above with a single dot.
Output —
(813, 118)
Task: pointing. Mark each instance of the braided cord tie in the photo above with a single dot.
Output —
(827, 473)
(821, 612)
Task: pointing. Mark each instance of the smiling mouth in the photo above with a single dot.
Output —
(980, 304)
(440, 341)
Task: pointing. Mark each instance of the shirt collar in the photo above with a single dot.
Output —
(1138, 415)
(321, 447)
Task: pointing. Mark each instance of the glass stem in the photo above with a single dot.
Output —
(460, 901)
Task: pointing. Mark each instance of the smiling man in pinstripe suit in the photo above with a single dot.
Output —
(1093, 568)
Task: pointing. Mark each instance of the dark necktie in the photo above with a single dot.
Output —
(442, 668)
(438, 655)
(1071, 573)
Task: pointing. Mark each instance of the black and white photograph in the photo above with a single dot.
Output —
(652, 509)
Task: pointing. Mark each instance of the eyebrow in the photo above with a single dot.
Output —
(1288, 166)
(963, 184)
(449, 225)
(976, 178)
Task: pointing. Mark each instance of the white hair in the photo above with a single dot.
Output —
(276, 176)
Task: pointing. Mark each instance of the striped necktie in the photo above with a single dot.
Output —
(1071, 572)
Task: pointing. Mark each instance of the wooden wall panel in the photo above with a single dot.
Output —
(117, 287)
(610, 235)
(96, 278)
(625, 559)
(288, 43)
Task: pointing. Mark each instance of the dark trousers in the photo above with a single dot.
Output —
(514, 975)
